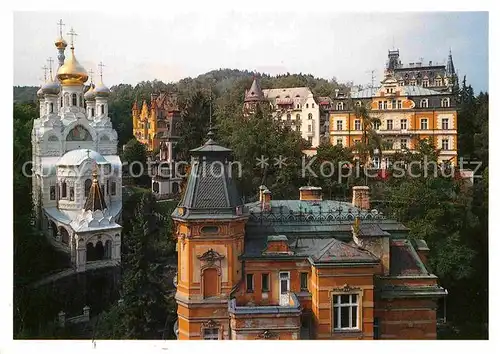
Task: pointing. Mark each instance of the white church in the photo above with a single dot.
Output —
(77, 174)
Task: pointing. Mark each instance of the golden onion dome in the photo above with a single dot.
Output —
(101, 90)
(72, 73)
(90, 94)
(60, 43)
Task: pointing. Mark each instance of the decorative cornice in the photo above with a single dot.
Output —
(210, 256)
(210, 324)
(267, 334)
(346, 288)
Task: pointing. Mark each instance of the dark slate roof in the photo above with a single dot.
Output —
(340, 252)
(371, 230)
(405, 261)
(255, 93)
(408, 90)
(210, 190)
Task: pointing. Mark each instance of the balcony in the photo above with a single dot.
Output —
(266, 322)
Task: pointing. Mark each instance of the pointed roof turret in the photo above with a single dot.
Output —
(450, 68)
(95, 200)
(210, 189)
(255, 93)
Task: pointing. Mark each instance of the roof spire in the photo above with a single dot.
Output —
(95, 200)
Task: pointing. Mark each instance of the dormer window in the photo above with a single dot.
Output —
(445, 102)
(424, 103)
(340, 106)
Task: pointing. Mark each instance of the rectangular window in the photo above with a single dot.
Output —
(385, 104)
(345, 311)
(249, 283)
(309, 128)
(265, 283)
(444, 124)
(445, 144)
(313, 105)
(404, 124)
(357, 124)
(400, 104)
(211, 334)
(425, 83)
(310, 139)
(339, 142)
(393, 104)
(423, 123)
(389, 124)
(63, 190)
(380, 105)
(376, 125)
(404, 143)
(303, 282)
(71, 193)
(390, 143)
(107, 187)
(52, 192)
(113, 188)
(339, 125)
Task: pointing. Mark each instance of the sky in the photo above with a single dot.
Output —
(171, 45)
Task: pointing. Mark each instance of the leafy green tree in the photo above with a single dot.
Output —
(135, 157)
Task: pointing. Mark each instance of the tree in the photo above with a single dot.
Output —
(135, 156)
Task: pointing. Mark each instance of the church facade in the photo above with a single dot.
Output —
(77, 173)
(294, 269)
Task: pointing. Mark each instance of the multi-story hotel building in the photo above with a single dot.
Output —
(294, 106)
(294, 269)
(407, 113)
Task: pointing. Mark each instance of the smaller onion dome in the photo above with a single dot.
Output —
(39, 93)
(90, 94)
(102, 90)
(60, 43)
(51, 87)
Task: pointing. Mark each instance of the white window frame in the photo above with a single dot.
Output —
(400, 104)
(340, 124)
(340, 106)
(392, 124)
(424, 103)
(422, 121)
(336, 300)
(445, 102)
(340, 142)
(445, 120)
(357, 124)
(404, 124)
(376, 125)
(405, 145)
(447, 144)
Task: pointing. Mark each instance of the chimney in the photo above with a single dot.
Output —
(266, 200)
(361, 197)
(372, 238)
(310, 193)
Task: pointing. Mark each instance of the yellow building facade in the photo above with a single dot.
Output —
(407, 114)
(153, 123)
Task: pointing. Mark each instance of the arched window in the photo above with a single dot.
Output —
(102, 109)
(358, 104)
(288, 116)
(64, 190)
(307, 105)
(62, 102)
(73, 99)
(66, 99)
(424, 103)
(92, 112)
(88, 184)
(51, 107)
(340, 106)
(310, 116)
(71, 193)
(81, 100)
(297, 116)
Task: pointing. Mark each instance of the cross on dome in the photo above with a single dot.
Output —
(91, 72)
(45, 68)
(50, 61)
(72, 34)
(60, 24)
(100, 65)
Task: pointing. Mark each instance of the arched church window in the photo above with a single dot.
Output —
(71, 193)
(51, 108)
(92, 112)
(102, 109)
(107, 187)
(52, 192)
(113, 188)
(73, 99)
(62, 102)
(81, 100)
(88, 184)
(64, 190)
(79, 133)
(66, 99)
